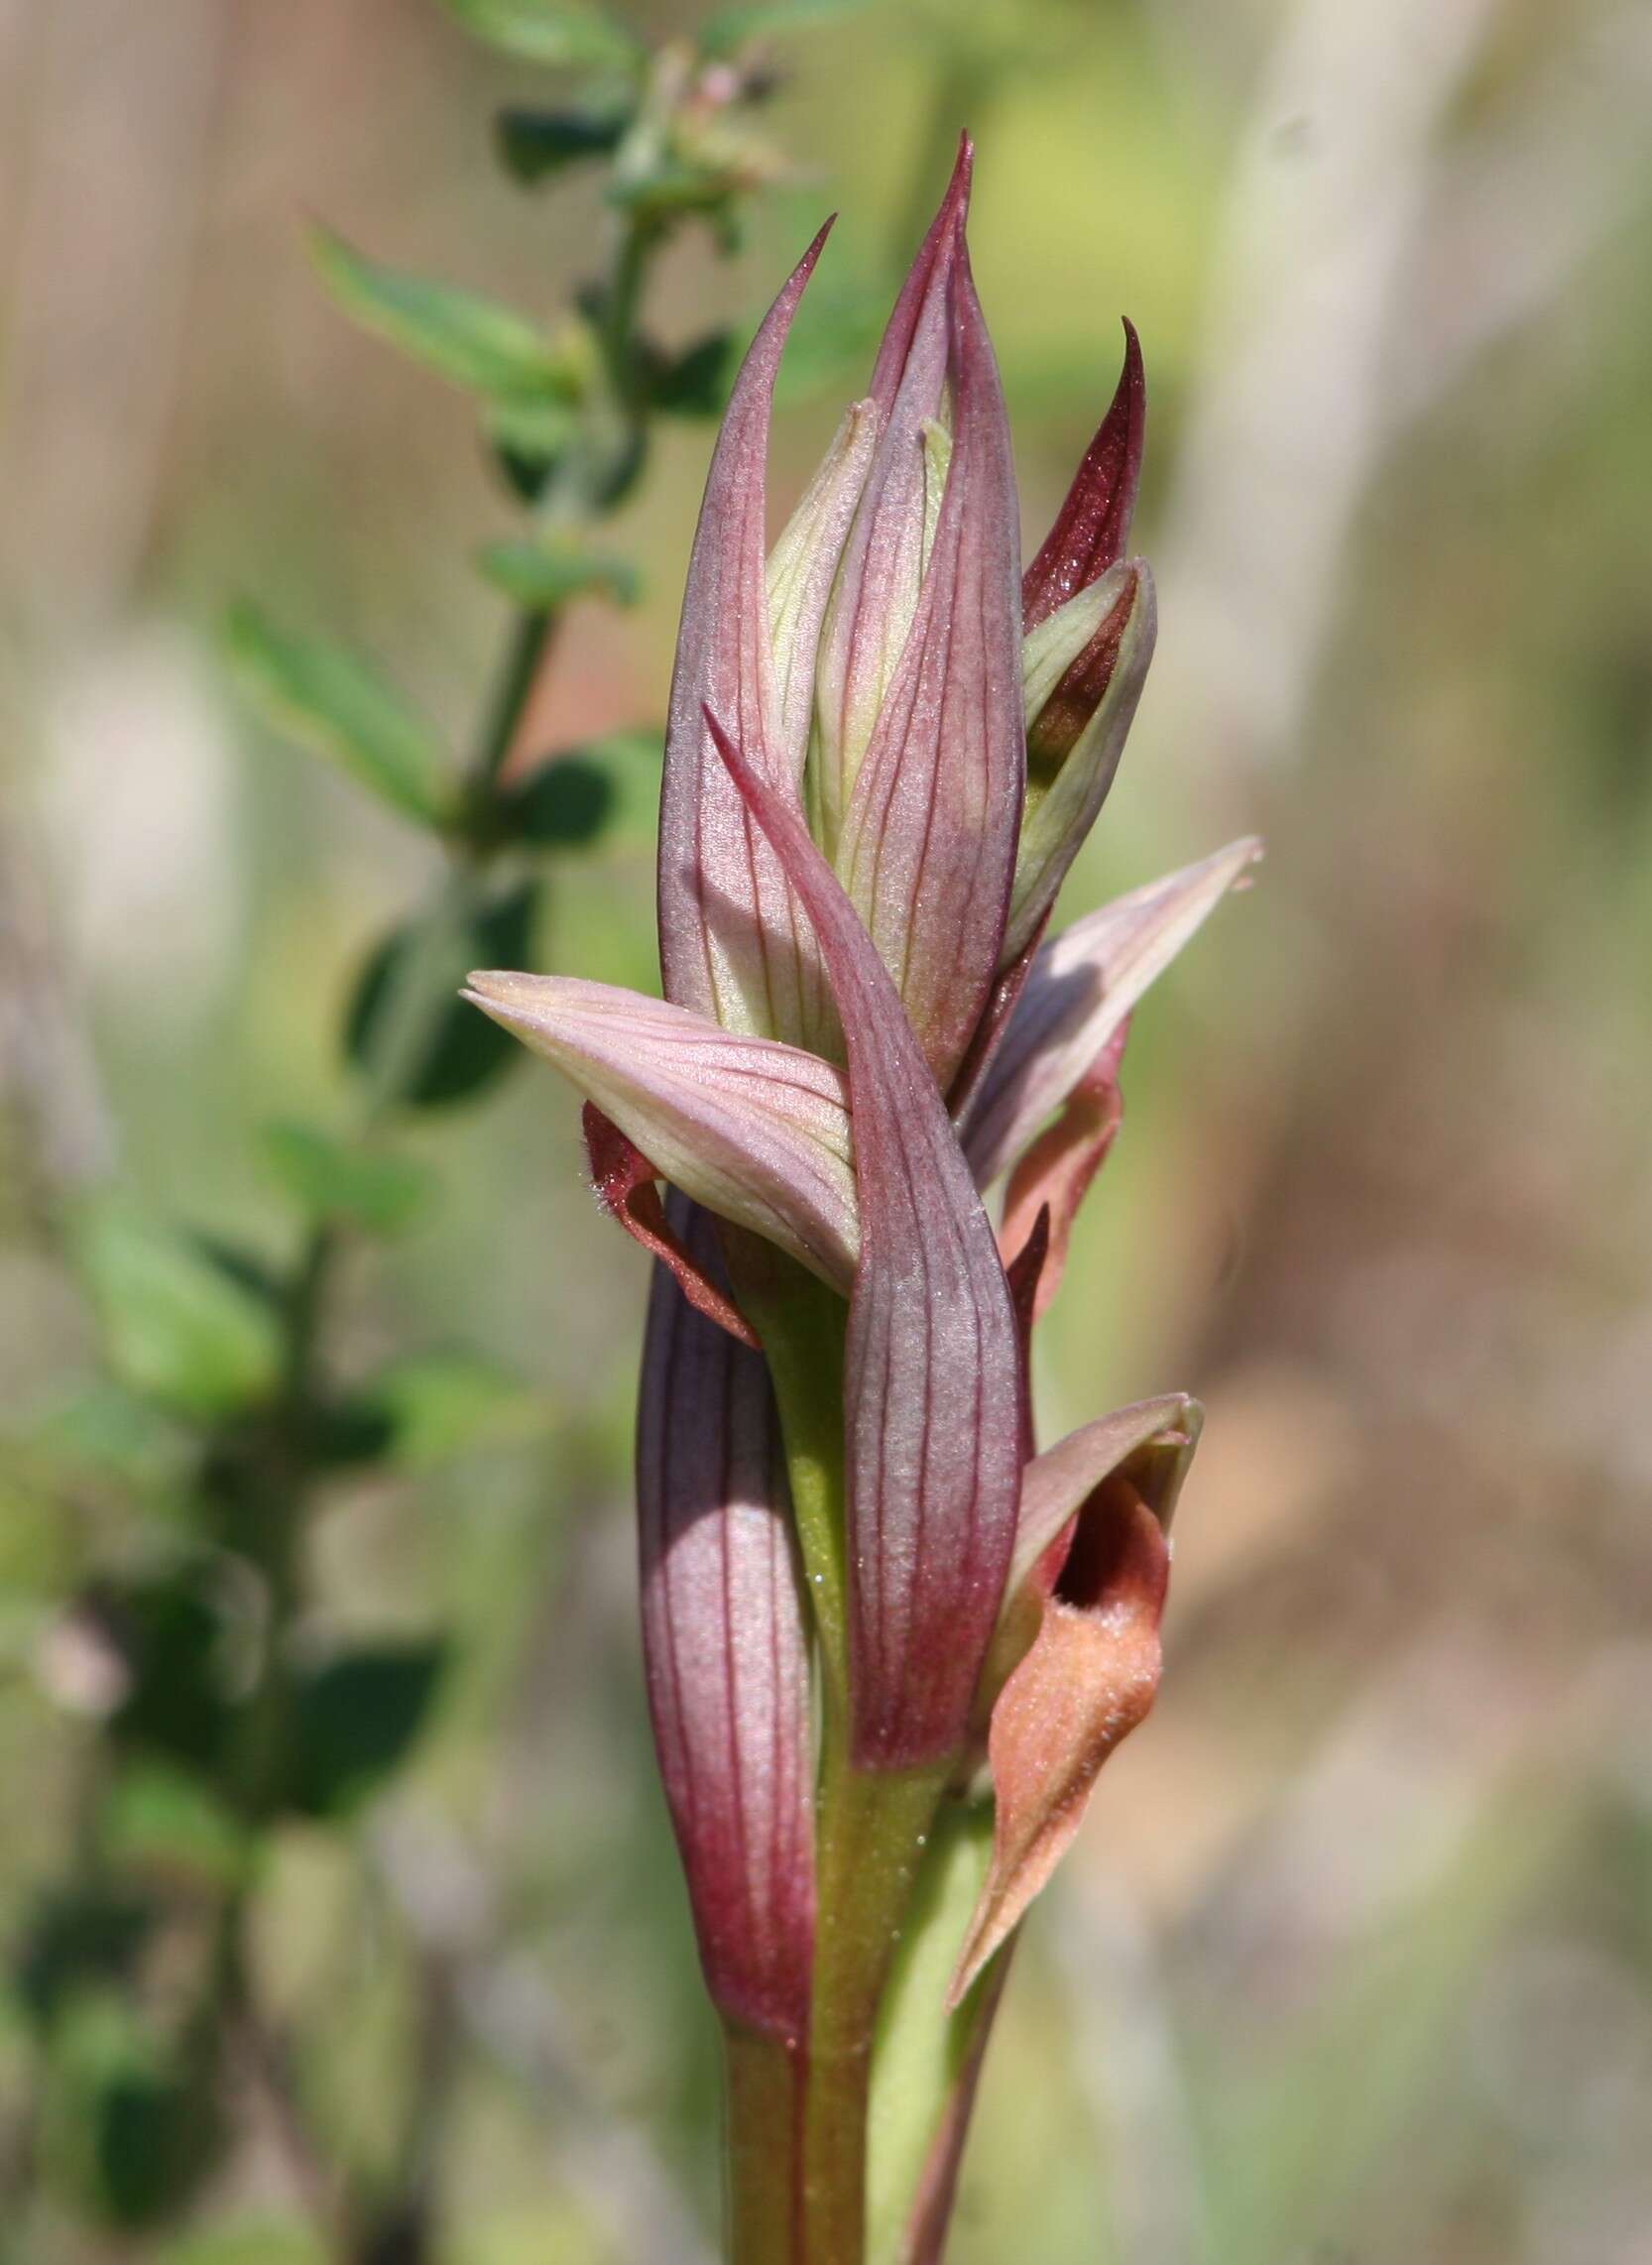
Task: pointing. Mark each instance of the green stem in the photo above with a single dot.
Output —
(869, 1846)
(765, 2088)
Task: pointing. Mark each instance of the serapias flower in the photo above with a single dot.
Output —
(885, 747)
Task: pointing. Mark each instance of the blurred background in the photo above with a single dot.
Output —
(1353, 1961)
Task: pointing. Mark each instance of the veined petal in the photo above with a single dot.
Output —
(930, 839)
(1093, 526)
(1081, 985)
(755, 1130)
(733, 943)
(801, 569)
(933, 1390)
(876, 593)
(1093, 1550)
(725, 1651)
(1068, 777)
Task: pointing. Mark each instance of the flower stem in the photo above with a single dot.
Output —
(871, 1840)
(766, 2080)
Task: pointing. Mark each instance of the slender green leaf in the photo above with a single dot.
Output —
(477, 343)
(732, 28)
(320, 694)
(545, 575)
(176, 1326)
(331, 1179)
(550, 31)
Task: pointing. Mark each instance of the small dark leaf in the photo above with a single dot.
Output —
(130, 2125)
(565, 804)
(355, 1719)
(182, 1635)
(537, 143)
(464, 1052)
(78, 1936)
(697, 382)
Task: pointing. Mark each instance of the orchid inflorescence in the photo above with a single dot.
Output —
(868, 1604)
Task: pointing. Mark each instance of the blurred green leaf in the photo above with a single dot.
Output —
(546, 574)
(156, 1819)
(322, 694)
(463, 1052)
(129, 2125)
(565, 804)
(697, 382)
(355, 1719)
(190, 1636)
(549, 32)
(84, 1934)
(441, 1404)
(606, 786)
(731, 29)
(474, 341)
(246, 2242)
(176, 1326)
(675, 190)
(537, 143)
(335, 1179)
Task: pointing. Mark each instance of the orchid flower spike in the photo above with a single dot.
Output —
(885, 747)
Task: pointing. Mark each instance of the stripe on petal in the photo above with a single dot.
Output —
(934, 1393)
(757, 1132)
(876, 595)
(1081, 985)
(930, 839)
(725, 1651)
(732, 944)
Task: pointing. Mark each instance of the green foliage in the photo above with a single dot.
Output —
(176, 1327)
(354, 1720)
(730, 30)
(534, 145)
(80, 1937)
(550, 31)
(162, 1824)
(129, 2120)
(482, 346)
(697, 382)
(332, 1179)
(322, 694)
(565, 804)
(545, 575)
(435, 1406)
(461, 1052)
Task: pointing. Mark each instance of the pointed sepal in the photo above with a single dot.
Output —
(1080, 986)
(1092, 527)
(928, 845)
(732, 945)
(725, 1648)
(755, 1130)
